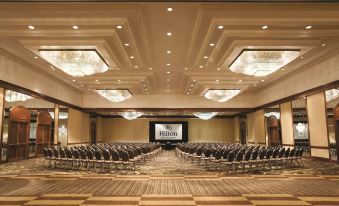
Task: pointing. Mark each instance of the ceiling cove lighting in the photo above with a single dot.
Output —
(205, 115)
(77, 63)
(115, 95)
(221, 95)
(131, 115)
(262, 62)
(12, 96)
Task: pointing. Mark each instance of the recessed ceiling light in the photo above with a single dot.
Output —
(308, 27)
(119, 27)
(301, 57)
(283, 69)
(168, 80)
(186, 68)
(168, 72)
(126, 44)
(169, 9)
(187, 93)
(218, 69)
(264, 27)
(240, 80)
(169, 34)
(190, 89)
(254, 85)
(75, 27)
(132, 57)
(52, 68)
(217, 80)
(194, 80)
(35, 57)
(211, 44)
(168, 64)
(150, 68)
(145, 85)
(119, 80)
(205, 57)
(146, 89)
(136, 66)
(31, 27)
(82, 85)
(96, 80)
(262, 80)
(201, 66)
(73, 80)
(147, 93)
(220, 27)
(192, 85)
(168, 51)
(323, 44)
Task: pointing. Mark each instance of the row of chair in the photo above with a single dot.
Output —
(220, 156)
(122, 156)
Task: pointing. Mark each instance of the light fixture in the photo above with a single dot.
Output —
(168, 52)
(217, 80)
(201, 66)
(240, 80)
(262, 80)
(220, 27)
(131, 57)
(126, 44)
(308, 27)
(76, 62)
(75, 27)
(211, 44)
(205, 115)
(186, 68)
(119, 80)
(136, 66)
(12, 96)
(150, 68)
(168, 64)
(168, 80)
(115, 95)
(131, 115)
(169, 34)
(35, 57)
(331, 94)
(73, 80)
(218, 69)
(221, 95)
(168, 72)
(300, 127)
(169, 9)
(96, 80)
(275, 114)
(323, 44)
(119, 27)
(262, 62)
(81, 85)
(205, 57)
(264, 27)
(31, 27)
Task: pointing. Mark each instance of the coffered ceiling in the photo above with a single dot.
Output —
(153, 51)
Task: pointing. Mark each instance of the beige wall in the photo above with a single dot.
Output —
(2, 105)
(286, 121)
(100, 128)
(316, 110)
(216, 130)
(256, 127)
(78, 127)
(236, 129)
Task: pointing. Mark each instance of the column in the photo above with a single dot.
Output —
(286, 122)
(56, 124)
(317, 125)
(2, 107)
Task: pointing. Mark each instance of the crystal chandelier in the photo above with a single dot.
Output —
(331, 94)
(205, 115)
(131, 115)
(263, 62)
(12, 96)
(276, 114)
(221, 95)
(77, 63)
(115, 95)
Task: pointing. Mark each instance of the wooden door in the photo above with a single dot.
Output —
(243, 132)
(336, 127)
(273, 131)
(18, 133)
(93, 132)
(43, 133)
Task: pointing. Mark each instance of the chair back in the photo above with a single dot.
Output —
(82, 154)
(281, 152)
(115, 155)
(55, 153)
(248, 155)
(225, 154)
(292, 152)
(287, 152)
(106, 154)
(219, 154)
(90, 154)
(240, 156)
(123, 155)
(50, 152)
(255, 153)
(199, 151)
(230, 156)
(262, 154)
(45, 152)
(75, 153)
(68, 153)
(98, 154)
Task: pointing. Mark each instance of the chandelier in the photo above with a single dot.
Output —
(12, 96)
(262, 62)
(276, 114)
(131, 115)
(77, 63)
(221, 95)
(331, 94)
(205, 115)
(115, 95)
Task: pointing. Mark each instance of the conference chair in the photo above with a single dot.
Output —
(46, 157)
(238, 160)
(247, 159)
(76, 158)
(98, 159)
(106, 160)
(116, 159)
(230, 159)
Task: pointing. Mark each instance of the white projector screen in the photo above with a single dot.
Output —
(168, 131)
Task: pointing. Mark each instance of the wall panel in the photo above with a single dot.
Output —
(78, 127)
(286, 121)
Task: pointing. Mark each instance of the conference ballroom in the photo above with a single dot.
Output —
(160, 103)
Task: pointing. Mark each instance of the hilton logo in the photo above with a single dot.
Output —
(167, 133)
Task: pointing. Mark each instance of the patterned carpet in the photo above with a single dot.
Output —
(167, 180)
